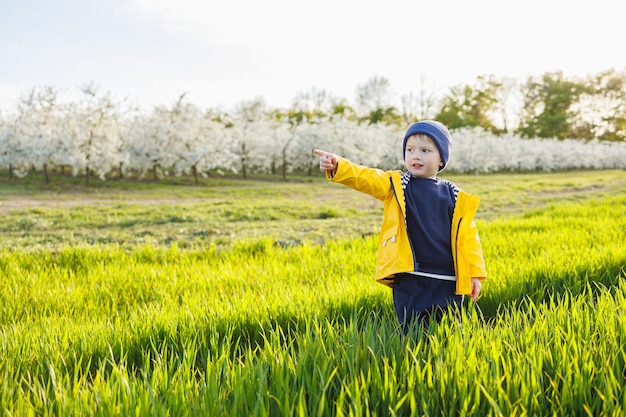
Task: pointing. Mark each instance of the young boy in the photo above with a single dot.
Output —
(429, 251)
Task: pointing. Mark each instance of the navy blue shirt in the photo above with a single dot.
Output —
(429, 209)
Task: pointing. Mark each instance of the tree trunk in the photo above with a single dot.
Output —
(45, 173)
(11, 172)
(120, 172)
(243, 160)
(195, 174)
(154, 172)
(284, 165)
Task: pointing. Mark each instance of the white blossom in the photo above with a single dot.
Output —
(96, 134)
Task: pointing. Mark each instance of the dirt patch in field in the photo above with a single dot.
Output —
(574, 190)
(7, 206)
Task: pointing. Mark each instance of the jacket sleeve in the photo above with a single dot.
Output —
(475, 253)
(372, 181)
(466, 248)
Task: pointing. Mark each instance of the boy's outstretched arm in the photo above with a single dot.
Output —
(328, 161)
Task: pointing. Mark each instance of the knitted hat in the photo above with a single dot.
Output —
(439, 134)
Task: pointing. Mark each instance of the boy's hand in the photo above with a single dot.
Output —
(328, 161)
(476, 287)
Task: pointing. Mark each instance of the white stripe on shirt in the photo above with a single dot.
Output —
(436, 276)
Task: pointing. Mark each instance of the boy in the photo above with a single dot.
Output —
(429, 251)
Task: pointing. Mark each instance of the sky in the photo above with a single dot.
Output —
(221, 53)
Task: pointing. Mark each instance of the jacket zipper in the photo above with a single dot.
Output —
(395, 194)
(456, 248)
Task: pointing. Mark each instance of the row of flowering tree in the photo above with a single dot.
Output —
(104, 138)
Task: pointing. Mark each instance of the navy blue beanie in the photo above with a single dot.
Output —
(439, 134)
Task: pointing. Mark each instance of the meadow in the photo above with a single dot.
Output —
(255, 297)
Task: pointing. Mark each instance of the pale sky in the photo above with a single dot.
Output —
(223, 52)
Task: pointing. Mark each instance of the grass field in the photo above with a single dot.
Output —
(256, 297)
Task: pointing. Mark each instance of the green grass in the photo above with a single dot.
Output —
(120, 305)
(223, 210)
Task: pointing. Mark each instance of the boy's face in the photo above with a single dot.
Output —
(422, 157)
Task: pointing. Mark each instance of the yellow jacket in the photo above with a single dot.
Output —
(394, 254)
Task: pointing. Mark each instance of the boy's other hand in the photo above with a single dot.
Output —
(328, 161)
(476, 287)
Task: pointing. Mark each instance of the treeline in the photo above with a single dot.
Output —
(546, 106)
(101, 136)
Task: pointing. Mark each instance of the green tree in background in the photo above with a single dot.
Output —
(548, 108)
(470, 106)
(601, 111)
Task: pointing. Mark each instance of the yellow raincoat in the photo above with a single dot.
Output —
(394, 254)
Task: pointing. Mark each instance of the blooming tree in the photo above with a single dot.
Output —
(94, 130)
(197, 141)
(13, 155)
(248, 133)
(40, 126)
(96, 136)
